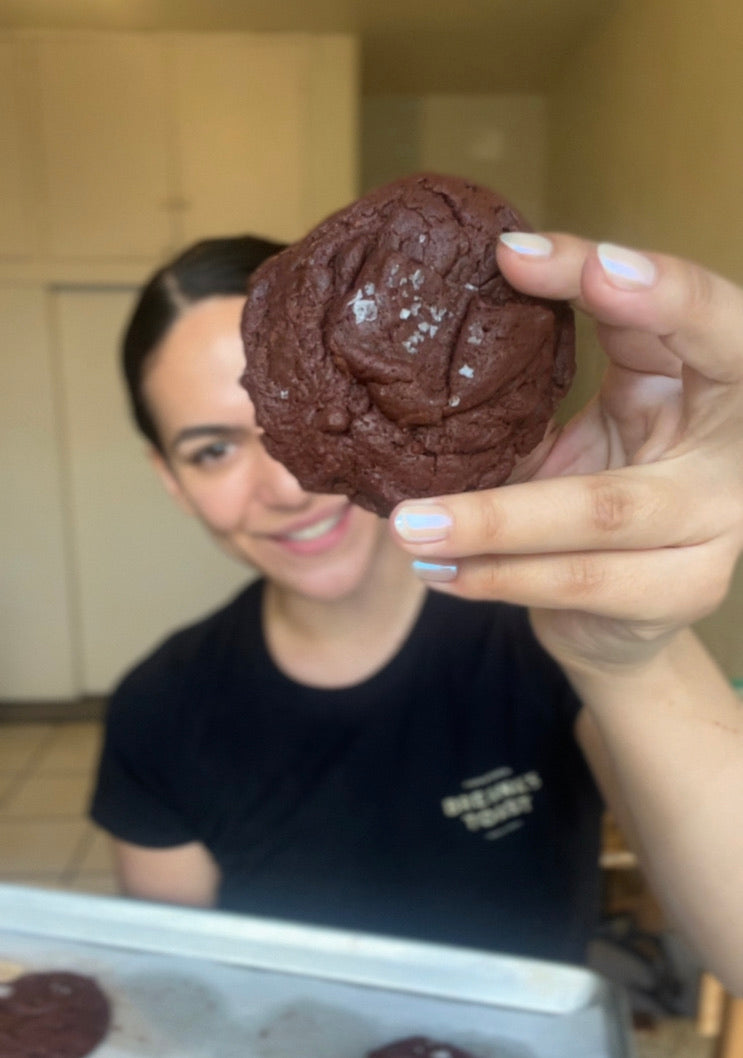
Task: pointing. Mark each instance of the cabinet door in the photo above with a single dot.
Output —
(104, 139)
(142, 566)
(257, 149)
(17, 229)
(37, 634)
(332, 135)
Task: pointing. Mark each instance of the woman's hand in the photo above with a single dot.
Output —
(629, 530)
(632, 525)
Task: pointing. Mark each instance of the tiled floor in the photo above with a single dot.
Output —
(675, 1038)
(45, 838)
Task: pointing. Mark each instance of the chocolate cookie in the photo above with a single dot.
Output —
(388, 358)
(52, 1015)
(418, 1047)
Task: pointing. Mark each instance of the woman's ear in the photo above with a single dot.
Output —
(170, 481)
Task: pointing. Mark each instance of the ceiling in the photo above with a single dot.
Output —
(408, 46)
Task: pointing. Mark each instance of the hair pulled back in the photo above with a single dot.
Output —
(209, 268)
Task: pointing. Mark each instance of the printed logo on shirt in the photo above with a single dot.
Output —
(494, 804)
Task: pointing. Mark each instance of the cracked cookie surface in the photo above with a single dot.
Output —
(388, 358)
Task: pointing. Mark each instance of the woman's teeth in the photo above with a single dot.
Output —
(312, 532)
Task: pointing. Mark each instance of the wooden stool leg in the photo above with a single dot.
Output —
(710, 1006)
(730, 1041)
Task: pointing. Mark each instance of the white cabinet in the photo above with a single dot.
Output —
(104, 140)
(116, 149)
(130, 145)
(96, 562)
(18, 202)
(265, 131)
(241, 154)
(37, 639)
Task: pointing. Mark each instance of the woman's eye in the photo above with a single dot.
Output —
(211, 453)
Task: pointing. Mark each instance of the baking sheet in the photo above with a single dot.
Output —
(205, 984)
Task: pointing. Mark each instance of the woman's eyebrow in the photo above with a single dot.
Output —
(190, 433)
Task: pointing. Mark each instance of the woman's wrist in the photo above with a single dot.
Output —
(678, 673)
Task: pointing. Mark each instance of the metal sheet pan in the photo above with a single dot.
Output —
(205, 984)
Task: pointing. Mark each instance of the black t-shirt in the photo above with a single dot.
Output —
(444, 798)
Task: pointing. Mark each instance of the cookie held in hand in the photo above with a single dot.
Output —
(388, 358)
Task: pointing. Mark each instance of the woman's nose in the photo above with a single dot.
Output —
(276, 486)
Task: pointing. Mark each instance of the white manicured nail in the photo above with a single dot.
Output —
(626, 269)
(423, 522)
(527, 243)
(435, 572)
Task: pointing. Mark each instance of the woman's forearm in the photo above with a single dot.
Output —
(673, 734)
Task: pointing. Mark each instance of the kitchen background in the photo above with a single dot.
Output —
(129, 129)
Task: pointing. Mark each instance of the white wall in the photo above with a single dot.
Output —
(495, 140)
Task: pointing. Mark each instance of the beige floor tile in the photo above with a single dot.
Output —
(20, 742)
(19, 732)
(8, 780)
(97, 852)
(101, 882)
(31, 846)
(673, 1038)
(42, 880)
(74, 747)
(49, 794)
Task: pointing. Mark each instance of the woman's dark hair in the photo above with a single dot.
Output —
(209, 268)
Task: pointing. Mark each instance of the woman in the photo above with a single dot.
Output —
(341, 745)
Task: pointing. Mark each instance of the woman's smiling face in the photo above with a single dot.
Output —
(216, 467)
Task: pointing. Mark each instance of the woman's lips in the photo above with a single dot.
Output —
(317, 536)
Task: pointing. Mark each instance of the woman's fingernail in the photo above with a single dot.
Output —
(419, 523)
(527, 243)
(435, 572)
(626, 269)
